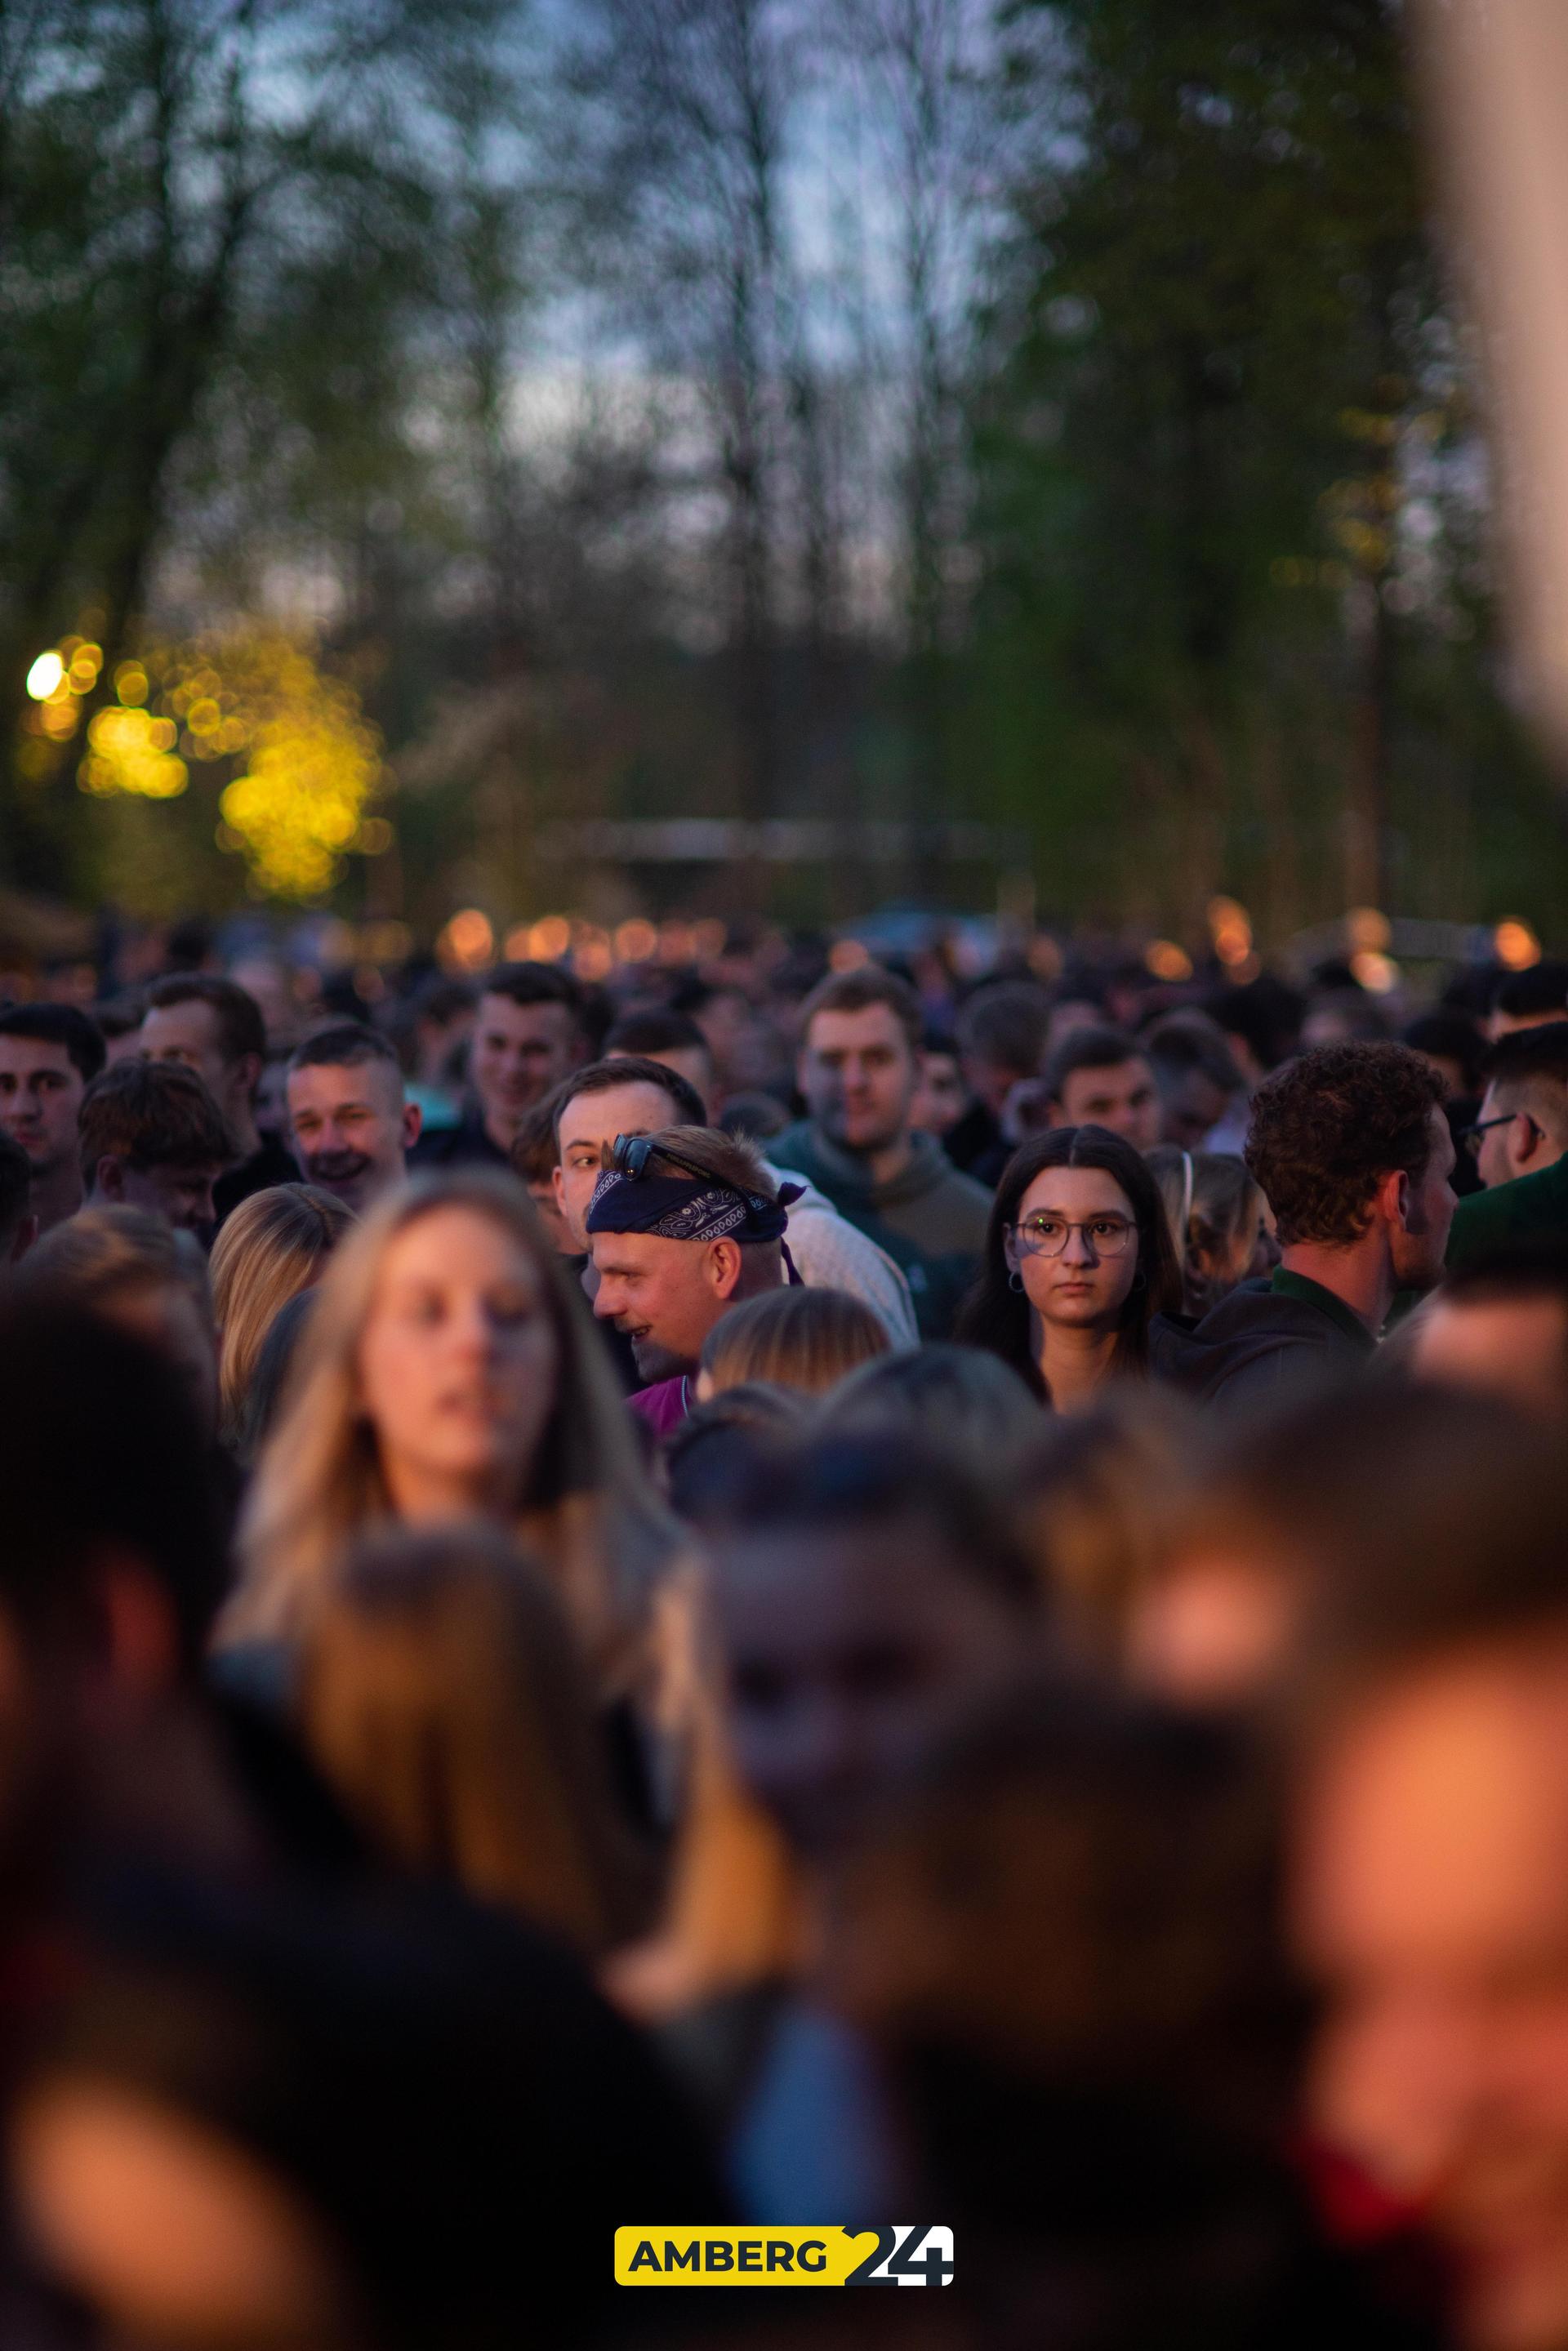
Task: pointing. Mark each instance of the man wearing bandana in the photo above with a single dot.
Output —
(682, 1225)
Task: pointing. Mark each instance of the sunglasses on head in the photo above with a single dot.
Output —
(633, 1156)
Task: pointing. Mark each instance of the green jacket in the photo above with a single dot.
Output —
(929, 1219)
(1531, 1209)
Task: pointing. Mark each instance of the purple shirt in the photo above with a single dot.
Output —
(665, 1406)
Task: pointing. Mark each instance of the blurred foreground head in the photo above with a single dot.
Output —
(1499, 1328)
(1062, 1941)
(110, 1568)
(1320, 1501)
(263, 2126)
(1429, 1899)
(864, 1590)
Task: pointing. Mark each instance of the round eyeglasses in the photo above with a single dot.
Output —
(1046, 1236)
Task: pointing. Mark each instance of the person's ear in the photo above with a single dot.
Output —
(413, 1122)
(1009, 1251)
(1392, 1199)
(724, 1262)
(1525, 1139)
(109, 1177)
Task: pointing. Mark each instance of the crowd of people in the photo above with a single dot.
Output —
(798, 1592)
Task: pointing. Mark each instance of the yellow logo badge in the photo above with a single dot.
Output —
(903, 2255)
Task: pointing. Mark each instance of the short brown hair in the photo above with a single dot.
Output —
(241, 1029)
(1330, 1125)
(151, 1114)
(857, 991)
(601, 1077)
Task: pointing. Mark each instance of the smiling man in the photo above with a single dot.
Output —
(858, 1070)
(527, 1037)
(347, 1113)
(683, 1228)
(50, 1055)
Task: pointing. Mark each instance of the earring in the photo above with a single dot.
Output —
(1015, 1281)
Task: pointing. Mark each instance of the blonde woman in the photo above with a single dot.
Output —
(271, 1248)
(449, 1370)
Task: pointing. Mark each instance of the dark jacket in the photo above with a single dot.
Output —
(1268, 1338)
(467, 1144)
(1529, 1211)
(929, 1219)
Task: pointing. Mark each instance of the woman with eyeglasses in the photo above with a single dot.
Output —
(1078, 1261)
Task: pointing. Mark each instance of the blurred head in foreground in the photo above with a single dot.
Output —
(1499, 1328)
(864, 1590)
(272, 2125)
(1429, 1896)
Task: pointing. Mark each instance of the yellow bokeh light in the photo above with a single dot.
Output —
(127, 754)
(45, 677)
(310, 762)
(1516, 946)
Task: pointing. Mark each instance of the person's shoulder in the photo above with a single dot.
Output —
(1248, 1344)
(792, 1148)
(1531, 1208)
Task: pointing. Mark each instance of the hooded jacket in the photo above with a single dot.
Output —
(1265, 1340)
(929, 1219)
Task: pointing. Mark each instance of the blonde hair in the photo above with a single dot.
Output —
(587, 1511)
(269, 1249)
(1210, 1197)
(794, 1338)
(442, 1695)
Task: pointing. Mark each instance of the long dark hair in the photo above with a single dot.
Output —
(996, 1315)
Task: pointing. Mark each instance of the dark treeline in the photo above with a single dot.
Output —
(755, 408)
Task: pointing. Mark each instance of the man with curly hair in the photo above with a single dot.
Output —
(1353, 1152)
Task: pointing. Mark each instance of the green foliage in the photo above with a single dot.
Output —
(1223, 374)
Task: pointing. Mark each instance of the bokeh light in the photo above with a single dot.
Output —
(1166, 961)
(44, 675)
(1516, 946)
(549, 938)
(1231, 928)
(467, 942)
